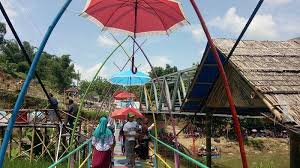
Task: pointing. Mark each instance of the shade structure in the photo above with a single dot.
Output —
(127, 78)
(135, 17)
(122, 113)
(124, 95)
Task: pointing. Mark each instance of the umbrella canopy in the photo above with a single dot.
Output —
(135, 17)
(127, 78)
(124, 95)
(122, 113)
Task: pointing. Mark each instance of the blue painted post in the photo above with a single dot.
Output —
(155, 152)
(23, 91)
(89, 151)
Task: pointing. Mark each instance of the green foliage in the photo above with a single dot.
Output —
(2, 32)
(160, 71)
(56, 70)
(99, 88)
(91, 115)
(257, 144)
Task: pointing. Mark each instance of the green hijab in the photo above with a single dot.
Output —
(101, 132)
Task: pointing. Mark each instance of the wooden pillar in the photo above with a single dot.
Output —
(32, 144)
(208, 138)
(294, 150)
(44, 139)
(20, 141)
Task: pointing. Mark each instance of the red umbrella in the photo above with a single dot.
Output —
(136, 17)
(122, 113)
(124, 95)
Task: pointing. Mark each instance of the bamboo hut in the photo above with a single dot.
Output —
(264, 77)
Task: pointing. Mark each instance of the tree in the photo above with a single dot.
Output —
(2, 32)
(57, 71)
(160, 71)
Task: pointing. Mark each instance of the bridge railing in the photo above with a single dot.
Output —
(33, 116)
(188, 158)
(70, 154)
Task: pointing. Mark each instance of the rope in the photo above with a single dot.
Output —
(83, 98)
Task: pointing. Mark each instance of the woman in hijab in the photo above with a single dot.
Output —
(103, 141)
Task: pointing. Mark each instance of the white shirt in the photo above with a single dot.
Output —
(105, 146)
(130, 128)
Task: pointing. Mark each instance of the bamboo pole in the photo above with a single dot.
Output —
(32, 143)
(20, 140)
(44, 138)
(208, 139)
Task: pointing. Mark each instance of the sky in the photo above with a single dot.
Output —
(88, 46)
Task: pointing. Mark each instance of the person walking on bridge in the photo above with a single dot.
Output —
(54, 106)
(71, 113)
(130, 132)
(103, 142)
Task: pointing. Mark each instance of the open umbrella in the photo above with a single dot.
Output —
(122, 113)
(124, 95)
(128, 78)
(135, 17)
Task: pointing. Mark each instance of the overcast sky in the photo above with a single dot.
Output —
(88, 46)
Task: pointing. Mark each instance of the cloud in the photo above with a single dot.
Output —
(277, 2)
(156, 61)
(263, 26)
(10, 10)
(104, 41)
(198, 32)
(88, 73)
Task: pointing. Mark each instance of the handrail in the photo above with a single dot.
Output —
(160, 158)
(69, 154)
(85, 160)
(180, 153)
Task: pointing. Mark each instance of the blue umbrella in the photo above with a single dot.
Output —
(127, 78)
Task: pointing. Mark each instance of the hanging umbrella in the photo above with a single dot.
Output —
(122, 113)
(136, 17)
(124, 95)
(127, 78)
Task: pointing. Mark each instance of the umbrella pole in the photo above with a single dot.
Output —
(226, 85)
(23, 91)
(133, 68)
(176, 156)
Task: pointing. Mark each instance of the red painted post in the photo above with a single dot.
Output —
(226, 85)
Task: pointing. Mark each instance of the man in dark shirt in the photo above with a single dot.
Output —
(53, 105)
(72, 110)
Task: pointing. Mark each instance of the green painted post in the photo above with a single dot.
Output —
(89, 151)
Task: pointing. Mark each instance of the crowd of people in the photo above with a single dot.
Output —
(134, 140)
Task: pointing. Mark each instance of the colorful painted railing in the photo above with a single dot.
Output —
(197, 163)
(88, 142)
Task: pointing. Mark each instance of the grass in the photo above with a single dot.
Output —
(25, 163)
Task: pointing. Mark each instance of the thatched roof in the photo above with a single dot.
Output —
(272, 68)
